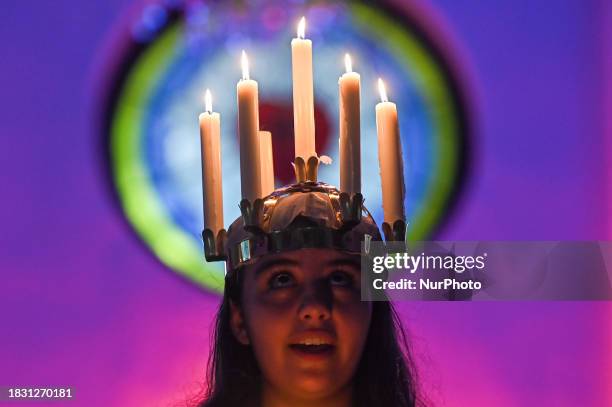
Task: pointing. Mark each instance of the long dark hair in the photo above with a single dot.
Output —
(385, 375)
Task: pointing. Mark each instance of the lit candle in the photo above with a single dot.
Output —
(390, 158)
(267, 163)
(303, 99)
(210, 143)
(248, 131)
(350, 133)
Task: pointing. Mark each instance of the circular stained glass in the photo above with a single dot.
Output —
(174, 53)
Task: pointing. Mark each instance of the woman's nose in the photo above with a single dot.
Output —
(316, 305)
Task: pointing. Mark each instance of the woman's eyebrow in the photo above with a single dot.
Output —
(355, 262)
(268, 263)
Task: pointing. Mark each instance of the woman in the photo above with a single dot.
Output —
(292, 329)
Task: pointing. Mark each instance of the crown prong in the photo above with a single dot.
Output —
(395, 232)
(351, 206)
(214, 246)
(300, 170)
(252, 214)
(306, 170)
(312, 168)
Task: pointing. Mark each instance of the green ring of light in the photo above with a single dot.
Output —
(135, 189)
(136, 193)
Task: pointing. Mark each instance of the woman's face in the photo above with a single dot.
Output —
(301, 312)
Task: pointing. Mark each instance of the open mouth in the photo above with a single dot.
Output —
(313, 344)
(313, 349)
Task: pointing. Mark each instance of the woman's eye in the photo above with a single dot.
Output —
(341, 278)
(281, 280)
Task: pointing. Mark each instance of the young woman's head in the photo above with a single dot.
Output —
(292, 330)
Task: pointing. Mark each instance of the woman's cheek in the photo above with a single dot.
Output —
(349, 300)
(268, 327)
(354, 318)
(269, 316)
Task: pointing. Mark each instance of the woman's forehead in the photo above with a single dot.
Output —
(307, 257)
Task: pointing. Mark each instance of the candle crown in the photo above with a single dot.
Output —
(307, 214)
(301, 29)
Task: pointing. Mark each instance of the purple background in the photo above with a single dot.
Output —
(83, 303)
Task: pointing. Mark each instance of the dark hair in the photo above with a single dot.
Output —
(385, 375)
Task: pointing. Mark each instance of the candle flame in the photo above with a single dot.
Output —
(208, 101)
(382, 90)
(245, 66)
(301, 30)
(348, 63)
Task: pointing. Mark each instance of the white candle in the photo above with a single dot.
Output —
(390, 158)
(350, 129)
(267, 163)
(210, 143)
(303, 99)
(248, 131)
